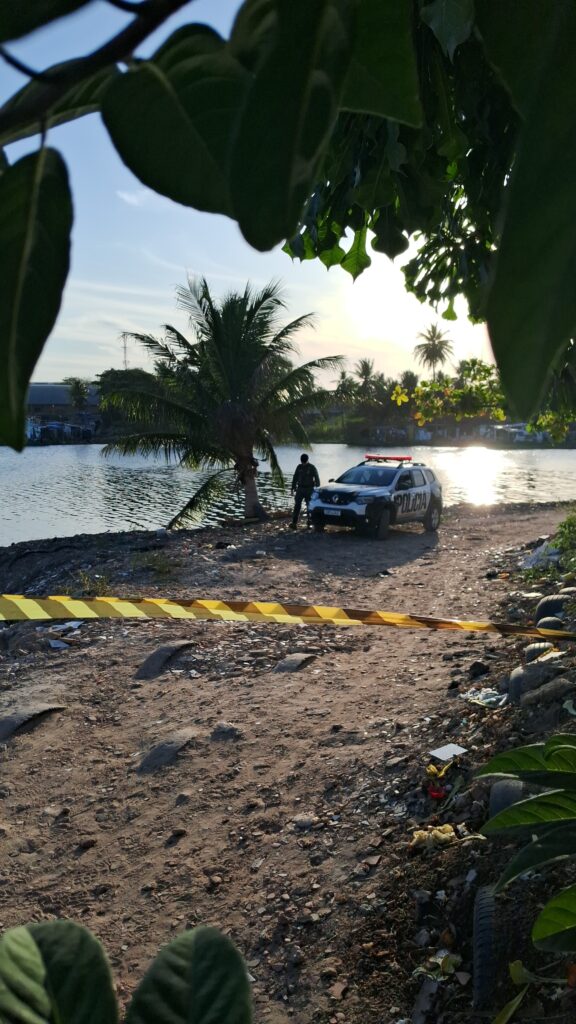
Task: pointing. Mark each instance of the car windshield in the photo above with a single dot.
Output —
(369, 476)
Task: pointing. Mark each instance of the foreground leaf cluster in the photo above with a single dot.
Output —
(58, 971)
(344, 126)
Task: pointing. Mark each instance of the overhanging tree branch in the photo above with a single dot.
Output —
(149, 17)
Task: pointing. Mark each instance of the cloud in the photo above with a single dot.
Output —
(136, 198)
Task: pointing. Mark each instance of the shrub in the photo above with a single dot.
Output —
(56, 971)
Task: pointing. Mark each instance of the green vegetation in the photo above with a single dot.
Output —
(56, 971)
(548, 820)
(216, 401)
(92, 584)
(434, 349)
(565, 541)
(79, 391)
(451, 124)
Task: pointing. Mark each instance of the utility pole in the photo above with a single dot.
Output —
(125, 347)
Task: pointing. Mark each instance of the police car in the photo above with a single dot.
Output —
(379, 492)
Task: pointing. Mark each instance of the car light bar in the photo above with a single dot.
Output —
(388, 458)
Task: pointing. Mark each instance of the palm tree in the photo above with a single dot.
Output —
(78, 390)
(216, 401)
(346, 388)
(364, 371)
(409, 380)
(434, 350)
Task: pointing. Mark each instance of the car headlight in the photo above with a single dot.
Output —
(315, 493)
(364, 499)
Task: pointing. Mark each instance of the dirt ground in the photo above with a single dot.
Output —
(289, 830)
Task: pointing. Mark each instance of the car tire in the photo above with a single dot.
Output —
(433, 516)
(318, 527)
(383, 525)
(504, 794)
(483, 949)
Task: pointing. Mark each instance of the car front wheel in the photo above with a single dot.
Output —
(432, 517)
(383, 525)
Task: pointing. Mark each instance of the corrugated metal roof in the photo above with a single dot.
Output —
(57, 395)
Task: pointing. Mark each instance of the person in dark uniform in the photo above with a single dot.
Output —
(304, 481)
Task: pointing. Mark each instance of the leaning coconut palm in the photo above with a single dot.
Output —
(227, 395)
(434, 349)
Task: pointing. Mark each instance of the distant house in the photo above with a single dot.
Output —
(52, 419)
(49, 402)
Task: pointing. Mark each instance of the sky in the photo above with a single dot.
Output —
(132, 248)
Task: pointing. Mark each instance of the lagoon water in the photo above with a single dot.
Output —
(60, 490)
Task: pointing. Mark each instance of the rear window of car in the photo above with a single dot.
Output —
(429, 476)
(371, 476)
(418, 478)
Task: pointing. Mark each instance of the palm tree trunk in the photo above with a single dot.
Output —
(246, 467)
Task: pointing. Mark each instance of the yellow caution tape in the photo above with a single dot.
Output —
(16, 608)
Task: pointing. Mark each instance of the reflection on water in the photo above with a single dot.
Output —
(62, 490)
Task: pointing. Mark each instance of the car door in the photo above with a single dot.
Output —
(403, 496)
(420, 496)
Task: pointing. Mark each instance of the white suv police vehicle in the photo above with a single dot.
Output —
(377, 493)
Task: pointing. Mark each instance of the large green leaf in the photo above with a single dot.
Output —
(172, 122)
(555, 927)
(195, 40)
(537, 813)
(84, 98)
(556, 845)
(197, 979)
(23, 995)
(561, 739)
(54, 973)
(19, 17)
(389, 237)
(288, 117)
(35, 225)
(451, 22)
(357, 259)
(512, 762)
(253, 31)
(514, 33)
(382, 77)
(531, 306)
(78, 977)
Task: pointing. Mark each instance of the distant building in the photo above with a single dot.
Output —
(52, 401)
(52, 419)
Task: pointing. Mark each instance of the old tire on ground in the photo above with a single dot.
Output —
(550, 605)
(533, 651)
(484, 949)
(432, 517)
(551, 622)
(383, 525)
(504, 793)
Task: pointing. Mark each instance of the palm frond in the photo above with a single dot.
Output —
(299, 381)
(154, 404)
(298, 431)
(155, 443)
(202, 499)
(181, 344)
(283, 336)
(151, 343)
(266, 448)
(202, 453)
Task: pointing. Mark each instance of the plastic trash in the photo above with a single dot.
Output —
(487, 697)
(447, 752)
(546, 554)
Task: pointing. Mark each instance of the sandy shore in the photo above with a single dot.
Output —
(282, 831)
